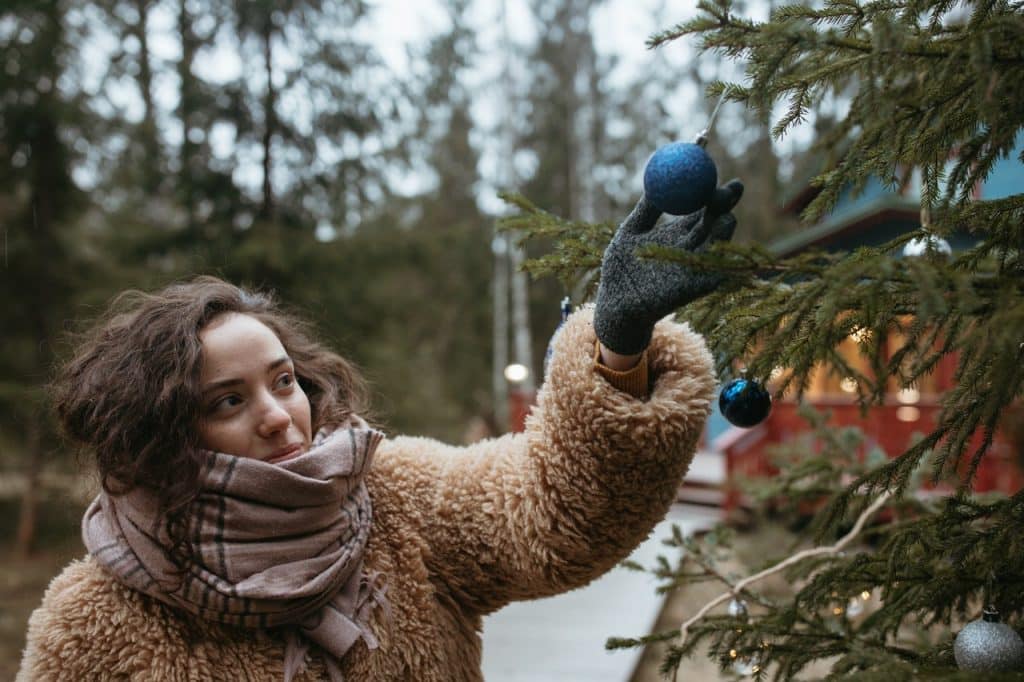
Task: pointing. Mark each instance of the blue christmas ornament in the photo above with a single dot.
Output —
(744, 402)
(680, 178)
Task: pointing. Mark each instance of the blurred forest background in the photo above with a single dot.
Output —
(272, 144)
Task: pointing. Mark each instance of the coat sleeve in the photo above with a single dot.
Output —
(534, 514)
(91, 628)
(70, 636)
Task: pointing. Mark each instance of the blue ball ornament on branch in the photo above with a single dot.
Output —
(680, 178)
(745, 402)
(635, 291)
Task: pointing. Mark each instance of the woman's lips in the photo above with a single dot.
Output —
(283, 455)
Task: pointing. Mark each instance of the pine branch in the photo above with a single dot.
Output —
(803, 53)
(796, 558)
(578, 245)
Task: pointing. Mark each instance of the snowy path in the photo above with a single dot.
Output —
(562, 638)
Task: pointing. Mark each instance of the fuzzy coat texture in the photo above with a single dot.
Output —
(458, 533)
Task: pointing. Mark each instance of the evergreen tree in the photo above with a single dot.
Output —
(564, 103)
(749, 152)
(142, 163)
(169, 205)
(430, 370)
(317, 112)
(452, 229)
(930, 91)
(41, 111)
(563, 108)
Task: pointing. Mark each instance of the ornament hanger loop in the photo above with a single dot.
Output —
(702, 136)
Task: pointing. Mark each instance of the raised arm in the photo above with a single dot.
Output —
(533, 514)
(530, 515)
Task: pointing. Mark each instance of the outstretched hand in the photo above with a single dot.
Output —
(636, 292)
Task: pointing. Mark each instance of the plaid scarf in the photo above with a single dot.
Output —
(273, 544)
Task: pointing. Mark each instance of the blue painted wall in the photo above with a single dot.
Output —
(716, 424)
(1007, 176)
(848, 203)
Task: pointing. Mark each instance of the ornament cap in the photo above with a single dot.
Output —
(991, 615)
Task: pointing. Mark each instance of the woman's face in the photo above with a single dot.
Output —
(252, 404)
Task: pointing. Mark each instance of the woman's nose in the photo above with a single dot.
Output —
(275, 418)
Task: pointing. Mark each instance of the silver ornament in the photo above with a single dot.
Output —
(989, 645)
(745, 667)
(738, 609)
(930, 244)
(856, 605)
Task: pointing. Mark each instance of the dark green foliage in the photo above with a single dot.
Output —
(922, 85)
(125, 166)
(577, 245)
(38, 198)
(925, 562)
(929, 92)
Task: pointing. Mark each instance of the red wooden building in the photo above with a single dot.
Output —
(873, 217)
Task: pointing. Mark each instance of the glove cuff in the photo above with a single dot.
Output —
(632, 381)
(622, 336)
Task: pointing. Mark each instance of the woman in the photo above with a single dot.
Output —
(252, 526)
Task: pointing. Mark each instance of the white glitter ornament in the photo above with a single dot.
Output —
(988, 645)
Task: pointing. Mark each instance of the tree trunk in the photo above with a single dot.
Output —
(270, 121)
(28, 514)
(51, 194)
(150, 136)
(186, 108)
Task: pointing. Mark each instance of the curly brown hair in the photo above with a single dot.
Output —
(130, 394)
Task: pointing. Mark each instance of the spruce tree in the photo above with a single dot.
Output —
(42, 114)
(934, 89)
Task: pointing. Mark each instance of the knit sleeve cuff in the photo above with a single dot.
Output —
(632, 381)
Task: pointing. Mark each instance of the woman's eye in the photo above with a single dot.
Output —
(286, 380)
(227, 402)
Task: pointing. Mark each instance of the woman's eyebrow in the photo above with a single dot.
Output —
(225, 383)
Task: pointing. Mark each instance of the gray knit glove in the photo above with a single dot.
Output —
(637, 292)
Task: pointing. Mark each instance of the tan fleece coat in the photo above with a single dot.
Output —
(459, 532)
